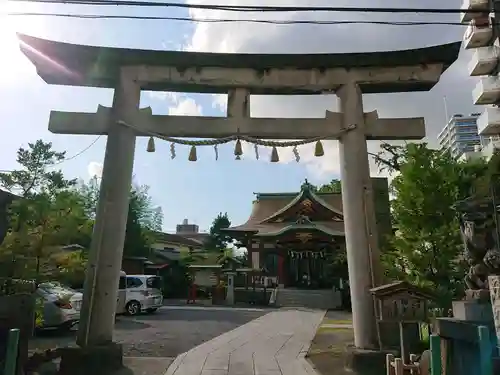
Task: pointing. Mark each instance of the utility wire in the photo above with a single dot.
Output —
(79, 153)
(228, 20)
(245, 8)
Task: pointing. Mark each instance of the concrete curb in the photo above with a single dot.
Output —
(308, 367)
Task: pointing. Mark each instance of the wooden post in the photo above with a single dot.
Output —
(486, 366)
(398, 366)
(435, 343)
(12, 352)
(389, 359)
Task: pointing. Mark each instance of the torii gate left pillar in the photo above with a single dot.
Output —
(106, 250)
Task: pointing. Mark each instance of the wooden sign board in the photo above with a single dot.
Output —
(402, 308)
(401, 302)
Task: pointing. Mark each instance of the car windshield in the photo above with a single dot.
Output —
(154, 282)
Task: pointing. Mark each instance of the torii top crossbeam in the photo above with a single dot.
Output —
(76, 65)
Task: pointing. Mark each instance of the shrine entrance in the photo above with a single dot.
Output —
(306, 269)
(129, 71)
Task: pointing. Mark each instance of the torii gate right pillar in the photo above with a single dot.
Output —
(363, 255)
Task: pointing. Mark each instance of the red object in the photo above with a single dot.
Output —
(192, 294)
(281, 274)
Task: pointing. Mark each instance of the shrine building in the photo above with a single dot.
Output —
(292, 236)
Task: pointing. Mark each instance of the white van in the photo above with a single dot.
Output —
(122, 294)
(142, 293)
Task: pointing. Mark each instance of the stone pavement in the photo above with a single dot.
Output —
(274, 344)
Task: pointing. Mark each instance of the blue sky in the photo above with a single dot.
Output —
(198, 191)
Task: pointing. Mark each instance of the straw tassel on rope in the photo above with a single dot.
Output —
(151, 145)
(192, 154)
(172, 150)
(318, 149)
(274, 155)
(238, 151)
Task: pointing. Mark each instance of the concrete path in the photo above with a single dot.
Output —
(274, 344)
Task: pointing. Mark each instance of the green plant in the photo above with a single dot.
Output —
(38, 312)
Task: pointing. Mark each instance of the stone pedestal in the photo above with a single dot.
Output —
(230, 289)
(95, 360)
(473, 310)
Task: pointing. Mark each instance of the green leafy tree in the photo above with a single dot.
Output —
(332, 187)
(218, 239)
(143, 219)
(427, 244)
(136, 238)
(47, 215)
(33, 176)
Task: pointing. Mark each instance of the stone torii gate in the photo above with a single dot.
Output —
(239, 75)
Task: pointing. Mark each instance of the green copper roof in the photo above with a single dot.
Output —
(77, 65)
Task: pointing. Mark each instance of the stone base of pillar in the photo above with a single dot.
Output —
(95, 360)
(366, 362)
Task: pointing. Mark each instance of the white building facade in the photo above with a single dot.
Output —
(460, 135)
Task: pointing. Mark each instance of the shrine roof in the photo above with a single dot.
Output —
(81, 65)
(269, 206)
(397, 287)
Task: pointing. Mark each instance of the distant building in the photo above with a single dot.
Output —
(460, 135)
(191, 231)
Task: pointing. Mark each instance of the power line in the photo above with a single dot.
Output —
(65, 159)
(229, 20)
(245, 8)
(79, 153)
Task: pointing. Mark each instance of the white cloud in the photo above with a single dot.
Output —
(456, 85)
(94, 169)
(185, 107)
(171, 97)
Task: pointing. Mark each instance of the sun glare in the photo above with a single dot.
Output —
(13, 64)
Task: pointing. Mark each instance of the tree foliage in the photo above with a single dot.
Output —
(332, 187)
(52, 211)
(427, 244)
(47, 214)
(34, 175)
(219, 240)
(142, 221)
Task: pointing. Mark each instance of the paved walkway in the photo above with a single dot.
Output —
(274, 344)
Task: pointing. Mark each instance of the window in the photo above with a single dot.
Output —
(154, 282)
(133, 282)
(123, 282)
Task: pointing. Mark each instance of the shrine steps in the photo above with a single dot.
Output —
(314, 299)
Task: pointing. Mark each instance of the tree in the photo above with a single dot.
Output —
(136, 238)
(332, 187)
(143, 219)
(218, 240)
(34, 176)
(46, 216)
(427, 245)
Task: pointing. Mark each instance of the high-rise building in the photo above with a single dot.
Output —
(460, 135)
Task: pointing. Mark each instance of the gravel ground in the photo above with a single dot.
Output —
(167, 333)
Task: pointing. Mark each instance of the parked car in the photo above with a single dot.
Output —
(143, 294)
(61, 305)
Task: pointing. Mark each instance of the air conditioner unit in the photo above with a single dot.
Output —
(487, 91)
(484, 60)
(473, 5)
(479, 33)
(489, 122)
